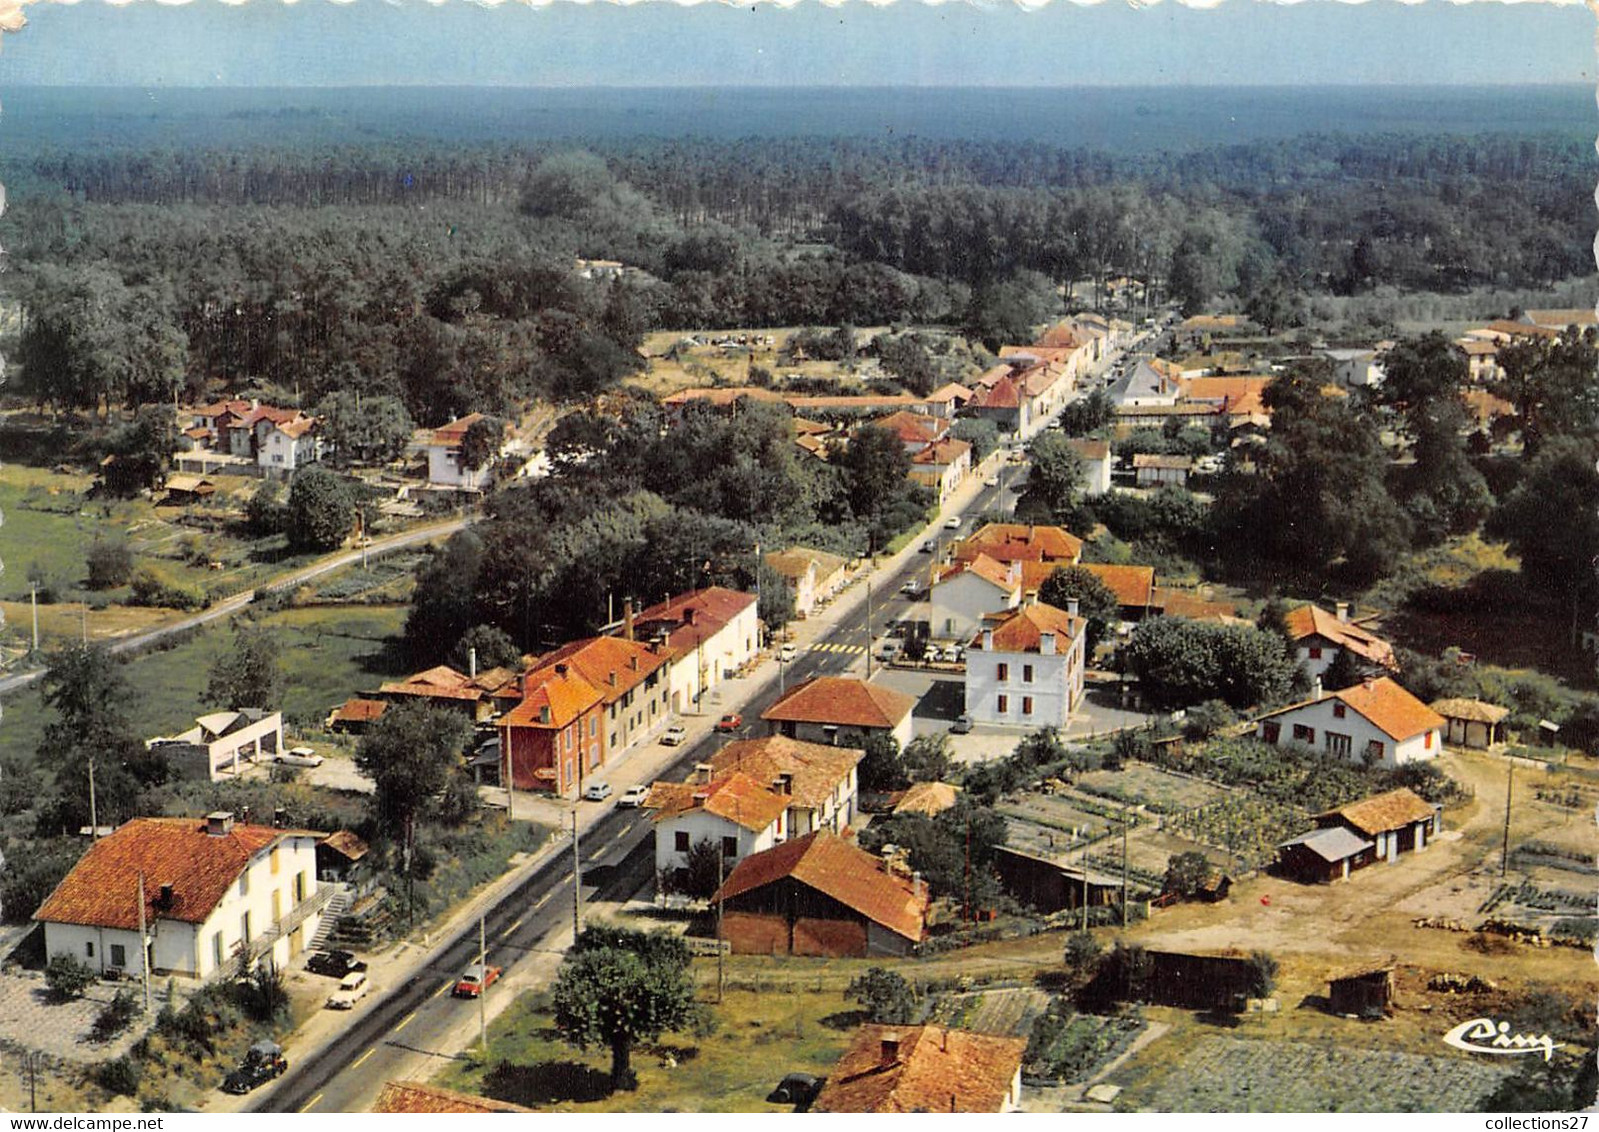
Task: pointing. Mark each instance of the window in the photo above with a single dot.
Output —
(680, 841)
(613, 738)
(216, 949)
(730, 847)
(119, 955)
(1374, 750)
(1027, 674)
(273, 862)
(1003, 705)
(244, 883)
(1271, 731)
(244, 927)
(1315, 652)
(1002, 671)
(1027, 705)
(1427, 743)
(1339, 711)
(1337, 744)
(1303, 734)
(88, 949)
(594, 726)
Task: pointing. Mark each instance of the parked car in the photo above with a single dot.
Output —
(633, 797)
(787, 653)
(991, 481)
(953, 523)
(597, 791)
(888, 648)
(334, 964)
(475, 980)
(929, 546)
(795, 1089)
(298, 756)
(352, 989)
(962, 725)
(732, 721)
(954, 653)
(933, 653)
(911, 588)
(674, 735)
(262, 1062)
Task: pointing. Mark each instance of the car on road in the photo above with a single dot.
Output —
(298, 756)
(597, 791)
(888, 648)
(334, 964)
(262, 1062)
(991, 481)
(787, 653)
(953, 523)
(674, 735)
(633, 797)
(732, 721)
(961, 726)
(351, 990)
(475, 980)
(929, 546)
(795, 1089)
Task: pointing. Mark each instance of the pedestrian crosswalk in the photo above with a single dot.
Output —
(852, 650)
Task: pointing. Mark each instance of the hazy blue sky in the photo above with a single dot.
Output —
(314, 42)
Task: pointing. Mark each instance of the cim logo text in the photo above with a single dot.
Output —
(1484, 1035)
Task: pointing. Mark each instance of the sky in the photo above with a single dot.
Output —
(908, 43)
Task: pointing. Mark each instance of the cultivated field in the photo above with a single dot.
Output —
(1142, 784)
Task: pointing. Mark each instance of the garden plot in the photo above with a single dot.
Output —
(1248, 828)
(1068, 1048)
(1045, 824)
(1238, 1075)
(1009, 1010)
(1159, 791)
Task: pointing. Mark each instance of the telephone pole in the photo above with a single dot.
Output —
(577, 882)
(94, 819)
(483, 990)
(34, 594)
(868, 627)
(144, 949)
(1124, 867)
(721, 860)
(1510, 778)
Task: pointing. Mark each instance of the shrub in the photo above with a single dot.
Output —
(120, 1075)
(1264, 976)
(151, 588)
(110, 562)
(115, 1016)
(885, 994)
(67, 976)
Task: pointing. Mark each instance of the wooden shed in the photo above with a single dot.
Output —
(1365, 993)
(1052, 885)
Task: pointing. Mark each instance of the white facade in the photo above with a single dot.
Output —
(715, 659)
(445, 469)
(271, 906)
(1030, 689)
(1355, 368)
(844, 735)
(1332, 726)
(210, 750)
(277, 451)
(674, 836)
(959, 602)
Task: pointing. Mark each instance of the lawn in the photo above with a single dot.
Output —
(329, 653)
(758, 1039)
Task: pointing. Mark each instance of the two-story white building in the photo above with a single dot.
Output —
(446, 465)
(963, 593)
(219, 896)
(736, 813)
(1319, 636)
(1096, 458)
(819, 781)
(709, 634)
(284, 446)
(1027, 667)
(1376, 722)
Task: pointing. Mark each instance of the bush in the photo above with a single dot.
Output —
(115, 1016)
(885, 994)
(121, 1075)
(67, 976)
(151, 588)
(110, 562)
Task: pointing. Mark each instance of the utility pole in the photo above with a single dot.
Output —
(868, 627)
(577, 882)
(721, 861)
(1510, 778)
(34, 589)
(483, 991)
(94, 819)
(507, 778)
(1124, 867)
(144, 948)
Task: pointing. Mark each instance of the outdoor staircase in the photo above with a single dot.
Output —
(332, 913)
(364, 922)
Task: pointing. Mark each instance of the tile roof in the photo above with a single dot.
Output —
(613, 665)
(984, 567)
(1036, 380)
(1381, 813)
(102, 888)
(793, 562)
(912, 428)
(1238, 394)
(721, 397)
(1331, 845)
(438, 682)
(297, 427)
(737, 798)
(1006, 393)
(927, 798)
(803, 427)
(827, 863)
(990, 377)
(346, 842)
(1017, 541)
(933, 1069)
(417, 1097)
(1473, 711)
(1132, 585)
(1089, 449)
(689, 619)
(1563, 317)
(1163, 462)
(954, 391)
(843, 701)
(942, 452)
(1181, 603)
(1023, 629)
(1522, 329)
(567, 695)
(1060, 336)
(1054, 354)
(815, 769)
(1383, 704)
(1313, 621)
(358, 710)
(860, 401)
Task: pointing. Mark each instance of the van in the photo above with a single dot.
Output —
(888, 649)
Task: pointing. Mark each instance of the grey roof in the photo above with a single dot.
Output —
(1331, 844)
(1143, 380)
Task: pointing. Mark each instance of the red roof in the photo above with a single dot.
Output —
(1313, 621)
(692, 618)
(440, 682)
(1132, 585)
(1023, 629)
(566, 695)
(1005, 393)
(842, 701)
(813, 770)
(827, 863)
(358, 710)
(611, 664)
(1009, 542)
(984, 567)
(922, 1069)
(1060, 336)
(912, 428)
(1391, 709)
(1089, 449)
(737, 798)
(102, 890)
(942, 452)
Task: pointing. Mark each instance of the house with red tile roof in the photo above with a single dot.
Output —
(813, 575)
(925, 1068)
(276, 440)
(480, 698)
(1320, 636)
(1021, 542)
(738, 814)
(819, 781)
(551, 741)
(1376, 722)
(964, 592)
(1134, 587)
(914, 430)
(446, 466)
(216, 893)
(633, 681)
(707, 634)
(1004, 402)
(942, 466)
(356, 714)
(1379, 828)
(1026, 666)
(947, 400)
(841, 711)
(819, 895)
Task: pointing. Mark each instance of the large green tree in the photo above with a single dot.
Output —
(1095, 600)
(320, 510)
(1180, 662)
(1551, 519)
(1554, 385)
(618, 987)
(1055, 481)
(374, 428)
(249, 673)
(409, 755)
(87, 691)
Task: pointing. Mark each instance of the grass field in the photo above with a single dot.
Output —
(329, 653)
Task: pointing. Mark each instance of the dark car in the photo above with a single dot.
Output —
(262, 1062)
(334, 964)
(796, 1089)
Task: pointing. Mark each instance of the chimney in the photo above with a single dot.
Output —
(560, 670)
(166, 897)
(890, 1049)
(988, 640)
(244, 815)
(1047, 644)
(627, 619)
(219, 823)
(1343, 611)
(280, 818)
(613, 677)
(919, 886)
(471, 663)
(783, 784)
(1315, 687)
(1072, 606)
(688, 615)
(634, 660)
(1013, 571)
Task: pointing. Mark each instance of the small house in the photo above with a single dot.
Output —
(841, 711)
(1472, 723)
(1050, 884)
(1152, 470)
(1364, 993)
(925, 1068)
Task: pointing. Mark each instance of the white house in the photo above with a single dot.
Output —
(1355, 369)
(1096, 458)
(813, 575)
(282, 446)
(963, 593)
(1376, 721)
(819, 781)
(736, 813)
(710, 635)
(445, 465)
(942, 466)
(219, 742)
(1027, 667)
(1152, 470)
(219, 895)
(1319, 636)
(1144, 384)
(840, 711)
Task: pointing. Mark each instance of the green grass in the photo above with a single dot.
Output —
(329, 653)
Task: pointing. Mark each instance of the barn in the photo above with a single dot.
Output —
(1364, 993)
(1052, 885)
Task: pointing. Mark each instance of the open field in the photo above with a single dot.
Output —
(1142, 784)
(711, 365)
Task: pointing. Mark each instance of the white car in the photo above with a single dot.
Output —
(633, 797)
(674, 735)
(597, 791)
(352, 989)
(953, 523)
(991, 481)
(298, 756)
(787, 653)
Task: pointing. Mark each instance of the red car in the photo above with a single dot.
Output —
(730, 722)
(475, 980)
